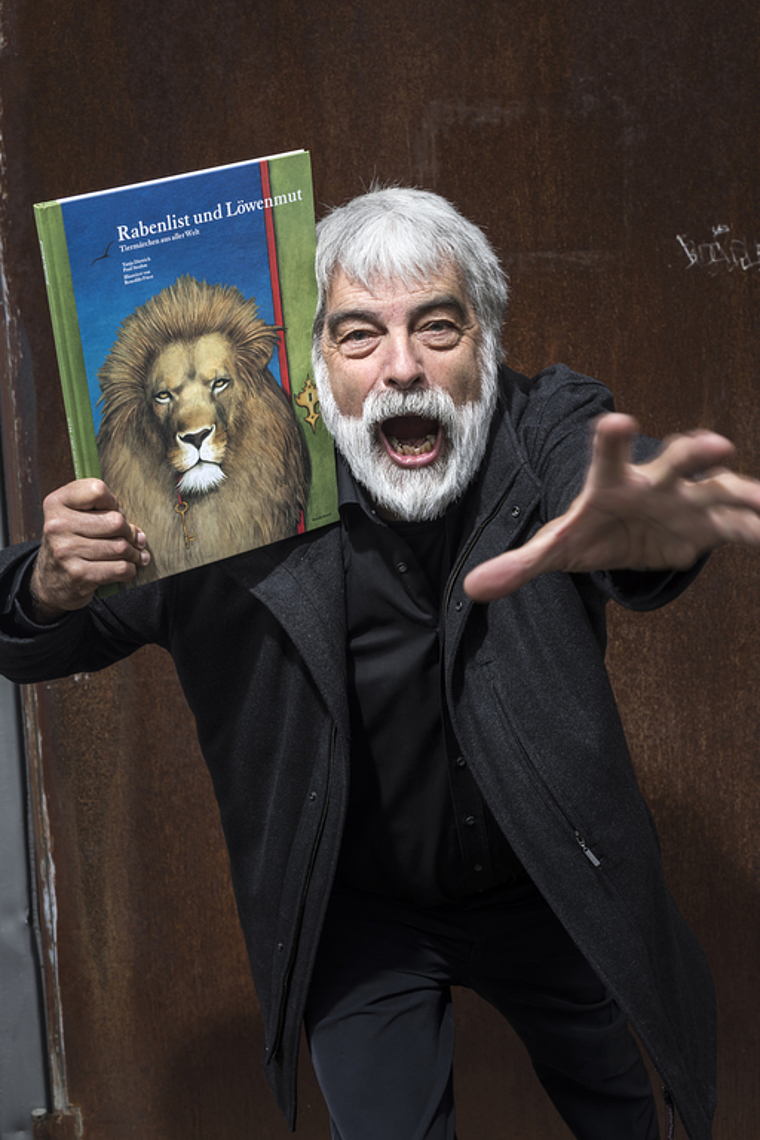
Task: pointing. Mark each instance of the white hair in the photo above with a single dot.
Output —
(402, 234)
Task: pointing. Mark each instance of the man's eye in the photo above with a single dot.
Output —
(357, 342)
(439, 332)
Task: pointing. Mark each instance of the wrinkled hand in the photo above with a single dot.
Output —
(659, 515)
(86, 543)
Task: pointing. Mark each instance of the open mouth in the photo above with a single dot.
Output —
(412, 441)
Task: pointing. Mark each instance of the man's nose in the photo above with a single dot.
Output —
(402, 365)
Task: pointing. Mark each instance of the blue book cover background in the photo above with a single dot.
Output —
(119, 257)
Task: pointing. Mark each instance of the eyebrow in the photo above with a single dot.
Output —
(444, 301)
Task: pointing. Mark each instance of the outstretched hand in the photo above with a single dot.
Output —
(86, 543)
(659, 515)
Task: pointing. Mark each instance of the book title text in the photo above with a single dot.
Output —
(222, 211)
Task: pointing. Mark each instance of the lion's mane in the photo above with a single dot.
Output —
(263, 485)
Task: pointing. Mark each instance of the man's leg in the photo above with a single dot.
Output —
(583, 1053)
(380, 1025)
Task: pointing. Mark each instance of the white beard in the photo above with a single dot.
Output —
(412, 494)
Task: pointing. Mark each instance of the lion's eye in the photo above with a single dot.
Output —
(163, 397)
(220, 384)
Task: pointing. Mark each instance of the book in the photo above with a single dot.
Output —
(182, 311)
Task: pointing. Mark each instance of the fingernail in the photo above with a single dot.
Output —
(144, 557)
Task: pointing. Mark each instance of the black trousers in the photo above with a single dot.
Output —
(381, 1030)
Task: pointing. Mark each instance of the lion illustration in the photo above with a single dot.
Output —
(197, 440)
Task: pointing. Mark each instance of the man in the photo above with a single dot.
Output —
(417, 790)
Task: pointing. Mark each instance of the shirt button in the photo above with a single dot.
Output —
(402, 567)
(469, 820)
(478, 867)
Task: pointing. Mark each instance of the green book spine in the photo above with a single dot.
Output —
(294, 233)
(223, 254)
(68, 342)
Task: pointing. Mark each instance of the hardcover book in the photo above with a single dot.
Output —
(182, 313)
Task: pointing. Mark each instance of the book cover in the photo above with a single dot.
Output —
(182, 313)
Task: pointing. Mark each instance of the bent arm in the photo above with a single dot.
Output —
(50, 622)
(81, 641)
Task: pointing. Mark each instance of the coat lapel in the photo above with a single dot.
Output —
(301, 583)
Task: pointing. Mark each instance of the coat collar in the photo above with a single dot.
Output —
(505, 456)
(301, 580)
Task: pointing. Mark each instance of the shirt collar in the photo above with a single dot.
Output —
(353, 494)
(354, 497)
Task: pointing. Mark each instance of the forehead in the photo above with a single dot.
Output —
(189, 358)
(395, 296)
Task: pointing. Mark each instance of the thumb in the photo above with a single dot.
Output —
(504, 574)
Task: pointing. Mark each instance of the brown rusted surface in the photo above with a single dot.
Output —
(589, 138)
(57, 1125)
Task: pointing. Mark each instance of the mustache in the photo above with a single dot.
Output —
(428, 403)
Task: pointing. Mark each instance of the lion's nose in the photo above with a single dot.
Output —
(195, 438)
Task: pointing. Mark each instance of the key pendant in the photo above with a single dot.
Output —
(182, 508)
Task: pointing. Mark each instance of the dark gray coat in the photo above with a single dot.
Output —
(259, 643)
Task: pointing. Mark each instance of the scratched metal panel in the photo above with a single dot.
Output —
(22, 1051)
(611, 151)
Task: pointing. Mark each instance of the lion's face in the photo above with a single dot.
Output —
(189, 404)
(192, 388)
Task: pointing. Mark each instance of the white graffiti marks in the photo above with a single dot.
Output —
(723, 252)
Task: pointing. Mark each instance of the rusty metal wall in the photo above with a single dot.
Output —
(23, 1052)
(611, 151)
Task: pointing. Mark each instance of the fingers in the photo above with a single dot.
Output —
(721, 487)
(563, 543)
(498, 577)
(689, 455)
(86, 543)
(88, 508)
(86, 495)
(611, 449)
(504, 574)
(731, 502)
(683, 456)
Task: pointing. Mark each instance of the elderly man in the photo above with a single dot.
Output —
(418, 790)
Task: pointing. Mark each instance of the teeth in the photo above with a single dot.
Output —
(404, 447)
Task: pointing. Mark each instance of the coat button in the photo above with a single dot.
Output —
(461, 762)
(402, 567)
(312, 795)
(515, 512)
(458, 606)
(469, 820)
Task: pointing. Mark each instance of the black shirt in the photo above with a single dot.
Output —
(417, 826)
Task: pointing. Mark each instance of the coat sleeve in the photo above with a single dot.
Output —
(558, 435)
(84, 641)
